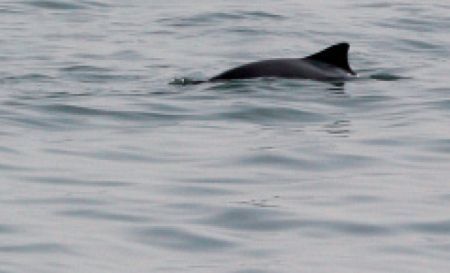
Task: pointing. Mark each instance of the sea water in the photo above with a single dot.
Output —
(105, 166)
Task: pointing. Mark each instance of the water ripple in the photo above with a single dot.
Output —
(206, 19)
(115, 114)
(260, 220)
(264, 114)
(62, 5)
(35, 248)
(180, 240)
(431, 227)
(65, 181)
(325, 162)
(6, 229)
(58, 5)
(102, 215)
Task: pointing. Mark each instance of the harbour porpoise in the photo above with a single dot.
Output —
(330, 64)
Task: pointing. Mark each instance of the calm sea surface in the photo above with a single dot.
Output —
(107, 167)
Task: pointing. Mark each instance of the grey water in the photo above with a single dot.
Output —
(107, 167)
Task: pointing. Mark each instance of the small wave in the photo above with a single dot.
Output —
(264, 114)
(58, 5)
(93, 74)
(64, 181)
(128, 115)
(185, 81)
(388, 77)
(35, 248)
(84, 68)
(34, 77)
(431, 227)
(270, 220)
(101, 215)
(7, 229)
(205, 19)
(180, 240)
(64, 5)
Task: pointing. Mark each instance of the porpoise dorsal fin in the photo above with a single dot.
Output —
(336, 55)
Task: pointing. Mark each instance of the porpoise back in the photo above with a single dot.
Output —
(328, 64)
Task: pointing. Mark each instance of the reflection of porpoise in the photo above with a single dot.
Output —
(327, 65)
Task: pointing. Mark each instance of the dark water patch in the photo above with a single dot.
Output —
(9, 10)
(265, 159)
(39, 123)
(409, 24)
(96, 3)
(419, 45)
(440, 145)
(250, 31)
(102, 215)
(193, 208)
(64, 94)
(252, 271)
(207, 19)
(105, 78)
(8, 167)
(258, 114)
(262, 14)
(84, 68)
(430, 227)
(220, 180)
(362, 199)
(55, 5)
(32, 77)
(400, 250)
(364, 103)
(260, 203)
(441, 104)
(56, 201)
(201, 191)
(251, 219)
(90, 56)
(178, 239)
(378, 5)
(126, 55)
(383, 142)
(321, 163)
(8, 150)
(388, 77)
(338, 128)
(95, 74)
(65, 181)
(263, 220)
(114, 114)
(120, 156)
(35, 248)
(7, 229)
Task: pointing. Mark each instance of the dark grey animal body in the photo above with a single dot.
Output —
(327, 65)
